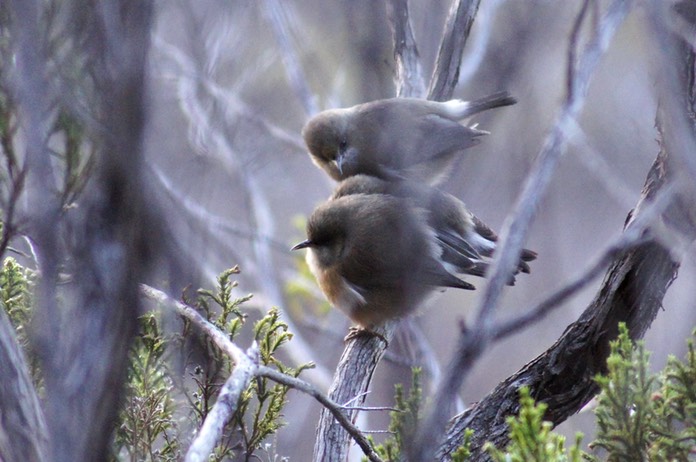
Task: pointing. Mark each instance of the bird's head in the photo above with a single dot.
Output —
(328, 136)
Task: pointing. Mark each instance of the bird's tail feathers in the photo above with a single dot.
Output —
(460, 109)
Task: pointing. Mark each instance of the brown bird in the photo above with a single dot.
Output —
(396, 138)
(466, 242)
(374, 257)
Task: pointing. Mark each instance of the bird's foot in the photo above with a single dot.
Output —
(356, 331)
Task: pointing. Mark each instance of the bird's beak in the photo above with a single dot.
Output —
(345, 156)
(304, 244)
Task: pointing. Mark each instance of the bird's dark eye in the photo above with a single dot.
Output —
(342, 145)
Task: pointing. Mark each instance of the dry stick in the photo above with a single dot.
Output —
(225, 406)
(473, 342)
(409, 75)
(351, 381)
(449, 57)
(246, 367)
(336, 409)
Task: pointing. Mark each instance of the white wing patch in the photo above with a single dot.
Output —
(351, 296)
(480, 242)
(456, 108)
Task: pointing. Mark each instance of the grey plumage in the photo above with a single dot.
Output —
(396, 138)
(466, 242)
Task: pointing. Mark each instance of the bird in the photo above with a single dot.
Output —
(374, 257)
(396, 138)
(466, 242)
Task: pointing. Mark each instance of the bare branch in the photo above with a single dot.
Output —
(409, 75)
(107, 245)
(362, 353)
(449, 57)
(334, 408)
(632, 291)
(225, 406)
(563, 376)
(246, 367)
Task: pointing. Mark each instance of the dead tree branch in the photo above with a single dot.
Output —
(409, 74)
(363, 353)
(102, 241)
(449, 57)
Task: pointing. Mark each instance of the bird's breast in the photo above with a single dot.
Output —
(341, 293)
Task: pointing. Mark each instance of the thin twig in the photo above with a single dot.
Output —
(213, 222)
(371, 408)
(477, 47)
(593, 160)
(333, 407)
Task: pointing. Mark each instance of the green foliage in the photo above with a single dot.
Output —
(270, 333)
(230, 318)
(624, 411)
(463, 453)
(259, 414)
(155, 425)
(222, 309)
(531, 438)
(675, 405)
(15, 295)
(149, 428)
(403, 420)
(642, 416)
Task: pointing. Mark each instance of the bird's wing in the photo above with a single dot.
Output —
(451, 240)
(434, 274)
(442, 136)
